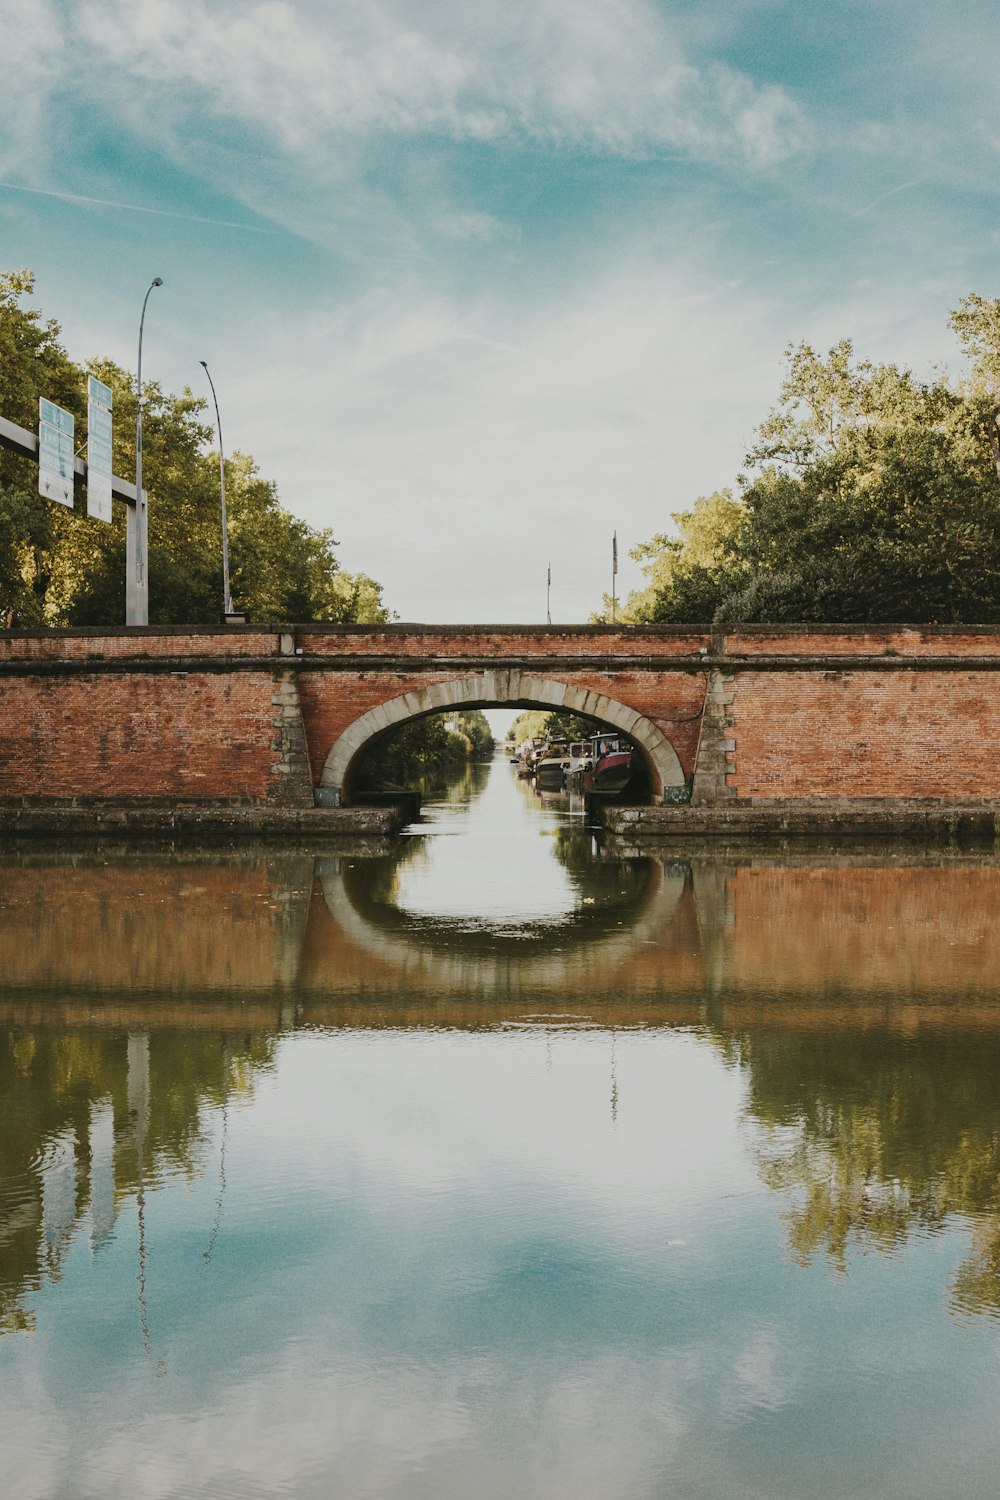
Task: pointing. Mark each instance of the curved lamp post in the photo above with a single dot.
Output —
(227, 598)
(137, 605)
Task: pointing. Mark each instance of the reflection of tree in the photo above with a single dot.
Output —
(609, 883)
(464, 784)
(60, 1089)
(380, 876)
(873, 1136)
(609, 895)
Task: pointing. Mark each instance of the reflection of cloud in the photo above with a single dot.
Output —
(760, 1378)
(470, 1427)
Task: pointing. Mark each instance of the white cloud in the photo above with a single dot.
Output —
(605, 77)
(463, 447)
(32, 55)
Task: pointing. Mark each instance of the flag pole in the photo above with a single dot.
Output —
(614, 578)
(548, 596)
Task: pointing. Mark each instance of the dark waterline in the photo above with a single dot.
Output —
(498, 1167)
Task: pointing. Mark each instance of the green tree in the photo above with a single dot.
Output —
(821, 400)
(32, 363)
(900, 523)
(976, 320)
(425, 752)
(872, 497)
(59, 567)
(684, 571)
(536, 723)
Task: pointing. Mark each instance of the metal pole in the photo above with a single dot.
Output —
(614, 577)
(227, 598)
(548, 597)
(137, 595)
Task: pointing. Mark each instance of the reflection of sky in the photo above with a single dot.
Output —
(445, 1268)
(486, 861)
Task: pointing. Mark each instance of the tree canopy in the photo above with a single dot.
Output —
(59, 567)
(869, 496)
(427, 751)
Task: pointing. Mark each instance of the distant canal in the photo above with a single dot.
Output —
(491, 1167)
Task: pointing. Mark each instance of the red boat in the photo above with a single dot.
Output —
(612, 757)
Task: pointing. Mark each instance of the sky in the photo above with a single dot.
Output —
(481, 285)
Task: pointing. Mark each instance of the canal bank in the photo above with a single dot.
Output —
(227, 822)
(830, 822)
(630, 830)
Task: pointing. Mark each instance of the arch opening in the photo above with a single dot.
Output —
(511, 688)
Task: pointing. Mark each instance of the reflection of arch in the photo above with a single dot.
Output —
(568, 958)
(494, 689)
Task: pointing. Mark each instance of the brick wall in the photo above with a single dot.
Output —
(502, 642)
(201, 714)
(871, 640)
(864, 734)
(140, 736)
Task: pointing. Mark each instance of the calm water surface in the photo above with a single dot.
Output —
(496, 1168)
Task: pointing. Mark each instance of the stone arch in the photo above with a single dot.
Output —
(500, 688)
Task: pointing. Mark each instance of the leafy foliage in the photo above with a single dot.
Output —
(426, 750)
(59, 567)
(536, 723)
(880, 1138)
(871, 497)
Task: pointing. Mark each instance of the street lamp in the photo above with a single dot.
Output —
(227, 598)
(138, 608)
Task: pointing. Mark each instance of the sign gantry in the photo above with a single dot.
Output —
(63, 472)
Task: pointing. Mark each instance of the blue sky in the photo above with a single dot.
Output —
(479, 284)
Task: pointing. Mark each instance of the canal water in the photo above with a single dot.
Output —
(491, 1166)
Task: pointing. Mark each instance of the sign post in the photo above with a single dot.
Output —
(136, 582)
(100, 397)
(21, 440)
(55, 452)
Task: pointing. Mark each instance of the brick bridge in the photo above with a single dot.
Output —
(280, 715)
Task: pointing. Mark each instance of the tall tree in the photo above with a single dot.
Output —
(59, 567)
(32, 363)
(871, 497)
(976, 320)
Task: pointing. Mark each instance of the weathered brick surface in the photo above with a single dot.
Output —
(252, 714)
(865, 734)
(94, 645)
(502, 641)
(198, 736)
(874, 640)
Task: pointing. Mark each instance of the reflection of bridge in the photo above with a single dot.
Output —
(577, 957)
(262, 945)
(279, 716)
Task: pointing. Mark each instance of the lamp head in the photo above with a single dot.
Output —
(203, 364)
(157, 281)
